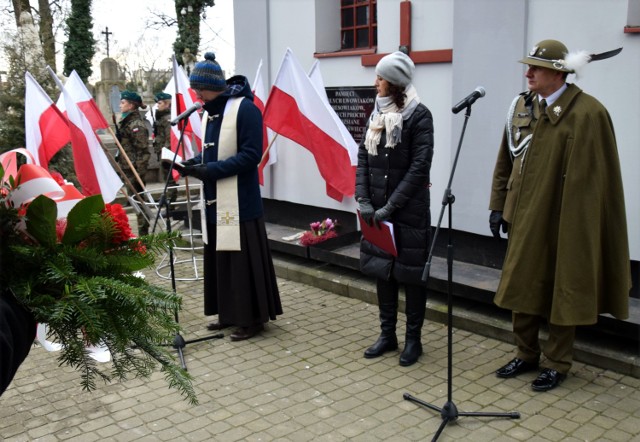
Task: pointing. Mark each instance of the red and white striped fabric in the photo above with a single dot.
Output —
(84, 100)
(259, 99)
(33, 181)
(70, 199)
(95, 173)
(9, 161)
(46, 130)
(296, 111)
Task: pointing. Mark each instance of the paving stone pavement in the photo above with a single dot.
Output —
(304, 379)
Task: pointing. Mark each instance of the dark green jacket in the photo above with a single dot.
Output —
(162, 130)
(568, 253)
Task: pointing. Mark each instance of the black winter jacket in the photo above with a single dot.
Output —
(400, 175)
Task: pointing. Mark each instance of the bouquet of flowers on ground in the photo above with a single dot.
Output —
(78, 275)
(320, 231)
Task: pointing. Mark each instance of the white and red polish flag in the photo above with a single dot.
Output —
(259, 99)
(347, 139)
(296, 111)
(95, 173)
(84, 100)
(46, 129)
(182, 98)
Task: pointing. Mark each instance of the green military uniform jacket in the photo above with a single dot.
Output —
(162, 130)
(568, 252)
(134, 138)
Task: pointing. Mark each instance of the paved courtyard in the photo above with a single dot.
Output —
(304, 379)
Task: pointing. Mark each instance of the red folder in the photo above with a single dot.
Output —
(379, 234)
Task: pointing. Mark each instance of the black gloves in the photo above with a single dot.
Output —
(191, 162)
(384, 213)
(495, 222)
(198, 171)
(366, 210)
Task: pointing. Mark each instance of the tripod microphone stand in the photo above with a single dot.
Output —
(179, 343)
(449, 412)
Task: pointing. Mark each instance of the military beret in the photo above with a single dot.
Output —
(131, 96)
(162, 96)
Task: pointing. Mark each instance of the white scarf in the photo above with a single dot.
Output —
(386, 115)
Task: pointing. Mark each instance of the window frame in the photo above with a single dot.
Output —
(371, 27)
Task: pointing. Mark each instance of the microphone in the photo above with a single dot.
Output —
(468, 100)
(188, 112)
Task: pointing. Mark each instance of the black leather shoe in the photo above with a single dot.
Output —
(515, 367)
(213, 326)
(243, 333)
(411, 353)
(381, 346)
(548, 379)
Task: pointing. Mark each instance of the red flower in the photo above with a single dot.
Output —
(310, 238)
(139, 247)
(121, 221)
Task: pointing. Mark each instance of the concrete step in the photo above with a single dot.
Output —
(592, 345)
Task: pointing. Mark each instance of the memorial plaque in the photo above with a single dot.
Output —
(353, 105)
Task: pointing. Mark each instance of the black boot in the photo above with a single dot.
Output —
(416, 300)
(388, 306)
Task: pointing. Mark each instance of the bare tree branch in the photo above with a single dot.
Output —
(160, 21)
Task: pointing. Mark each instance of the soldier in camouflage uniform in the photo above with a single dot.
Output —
(134, 138)
(162, 137)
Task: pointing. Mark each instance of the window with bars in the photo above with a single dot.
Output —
(358, 24)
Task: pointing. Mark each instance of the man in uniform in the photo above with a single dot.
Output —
(557, 191)
(134, 138)
(162, 137)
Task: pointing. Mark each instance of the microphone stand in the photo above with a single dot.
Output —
(178, 341)
(449, 412)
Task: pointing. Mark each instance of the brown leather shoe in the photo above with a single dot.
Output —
(213, 326)
(243, 333)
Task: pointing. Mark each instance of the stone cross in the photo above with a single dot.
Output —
(107, 33)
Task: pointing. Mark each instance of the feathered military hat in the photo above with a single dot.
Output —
(553, 54)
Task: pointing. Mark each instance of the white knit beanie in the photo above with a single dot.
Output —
(397, 68)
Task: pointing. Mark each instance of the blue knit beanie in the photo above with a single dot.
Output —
(208, 75)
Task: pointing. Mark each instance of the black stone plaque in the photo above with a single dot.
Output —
(353, 104)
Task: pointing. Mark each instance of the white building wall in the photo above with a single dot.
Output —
(488, 37)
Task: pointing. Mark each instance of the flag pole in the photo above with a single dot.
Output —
(266, 151)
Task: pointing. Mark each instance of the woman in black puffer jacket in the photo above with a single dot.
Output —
(392, 184)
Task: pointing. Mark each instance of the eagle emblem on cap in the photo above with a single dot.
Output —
(534, 50)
